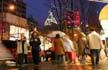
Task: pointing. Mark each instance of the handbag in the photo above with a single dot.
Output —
(86, 50)
(102, 54)
(73, 55)
(52, 49)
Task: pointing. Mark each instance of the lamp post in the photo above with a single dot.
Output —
(11, 7)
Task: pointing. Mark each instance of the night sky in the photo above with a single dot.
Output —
(38, 9)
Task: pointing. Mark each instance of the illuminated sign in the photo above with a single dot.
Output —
(76, 15)
(15, 32)
(50, 19)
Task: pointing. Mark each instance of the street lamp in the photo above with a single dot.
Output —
(86, 25)
(11, 7)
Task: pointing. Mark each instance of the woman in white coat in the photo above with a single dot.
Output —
(69, 49)
(22, 50)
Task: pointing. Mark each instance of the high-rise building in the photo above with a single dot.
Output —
(20, 7)
(12, 21)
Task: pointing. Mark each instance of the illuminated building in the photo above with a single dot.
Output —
(12, 21)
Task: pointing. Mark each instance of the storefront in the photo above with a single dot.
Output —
(13, 26)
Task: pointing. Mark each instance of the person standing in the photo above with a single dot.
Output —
(35, 44)
(59, 49)
(94, 44)
(22, 49)
(34, 30)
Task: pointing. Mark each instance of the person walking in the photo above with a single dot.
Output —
(94, 44)
(35, 44)
(22, 49)
(59, 49)
(82, 44)
(69, 50)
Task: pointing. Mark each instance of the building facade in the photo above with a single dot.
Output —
(20, 7)
(12, 21)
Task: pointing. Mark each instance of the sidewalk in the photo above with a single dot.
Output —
(49, 66)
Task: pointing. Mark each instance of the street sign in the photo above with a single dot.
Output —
(50, 19)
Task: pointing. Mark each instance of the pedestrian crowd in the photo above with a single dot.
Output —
(64, 50)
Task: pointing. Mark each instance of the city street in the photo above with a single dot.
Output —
(49, 66)
(56, 34)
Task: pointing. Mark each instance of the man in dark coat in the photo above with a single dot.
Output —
(35, 44)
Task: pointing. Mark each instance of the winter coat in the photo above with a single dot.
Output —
(35, 43)
(20, 47)
(94, 41)
(82, 43)
(59, 46)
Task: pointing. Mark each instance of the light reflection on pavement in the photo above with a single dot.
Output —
(49, 66)
(103, 65)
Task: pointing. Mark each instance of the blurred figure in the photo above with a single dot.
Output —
(69, 49)
(82, 44)
(5, 53)
(95, 44)
(22, 49)
(59, 49)
(35, 44)
(52, 49)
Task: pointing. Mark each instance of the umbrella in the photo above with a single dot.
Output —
(68, 44)
(53, 33)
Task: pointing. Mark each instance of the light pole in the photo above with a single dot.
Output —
(11, 7)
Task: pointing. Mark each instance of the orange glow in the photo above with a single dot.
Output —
(75, 35)
(11, 7)
(87, 25)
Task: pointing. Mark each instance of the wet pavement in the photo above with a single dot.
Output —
(50, 66)
(103, 65)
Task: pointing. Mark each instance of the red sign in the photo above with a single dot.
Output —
(76, 14)
(68, 20)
